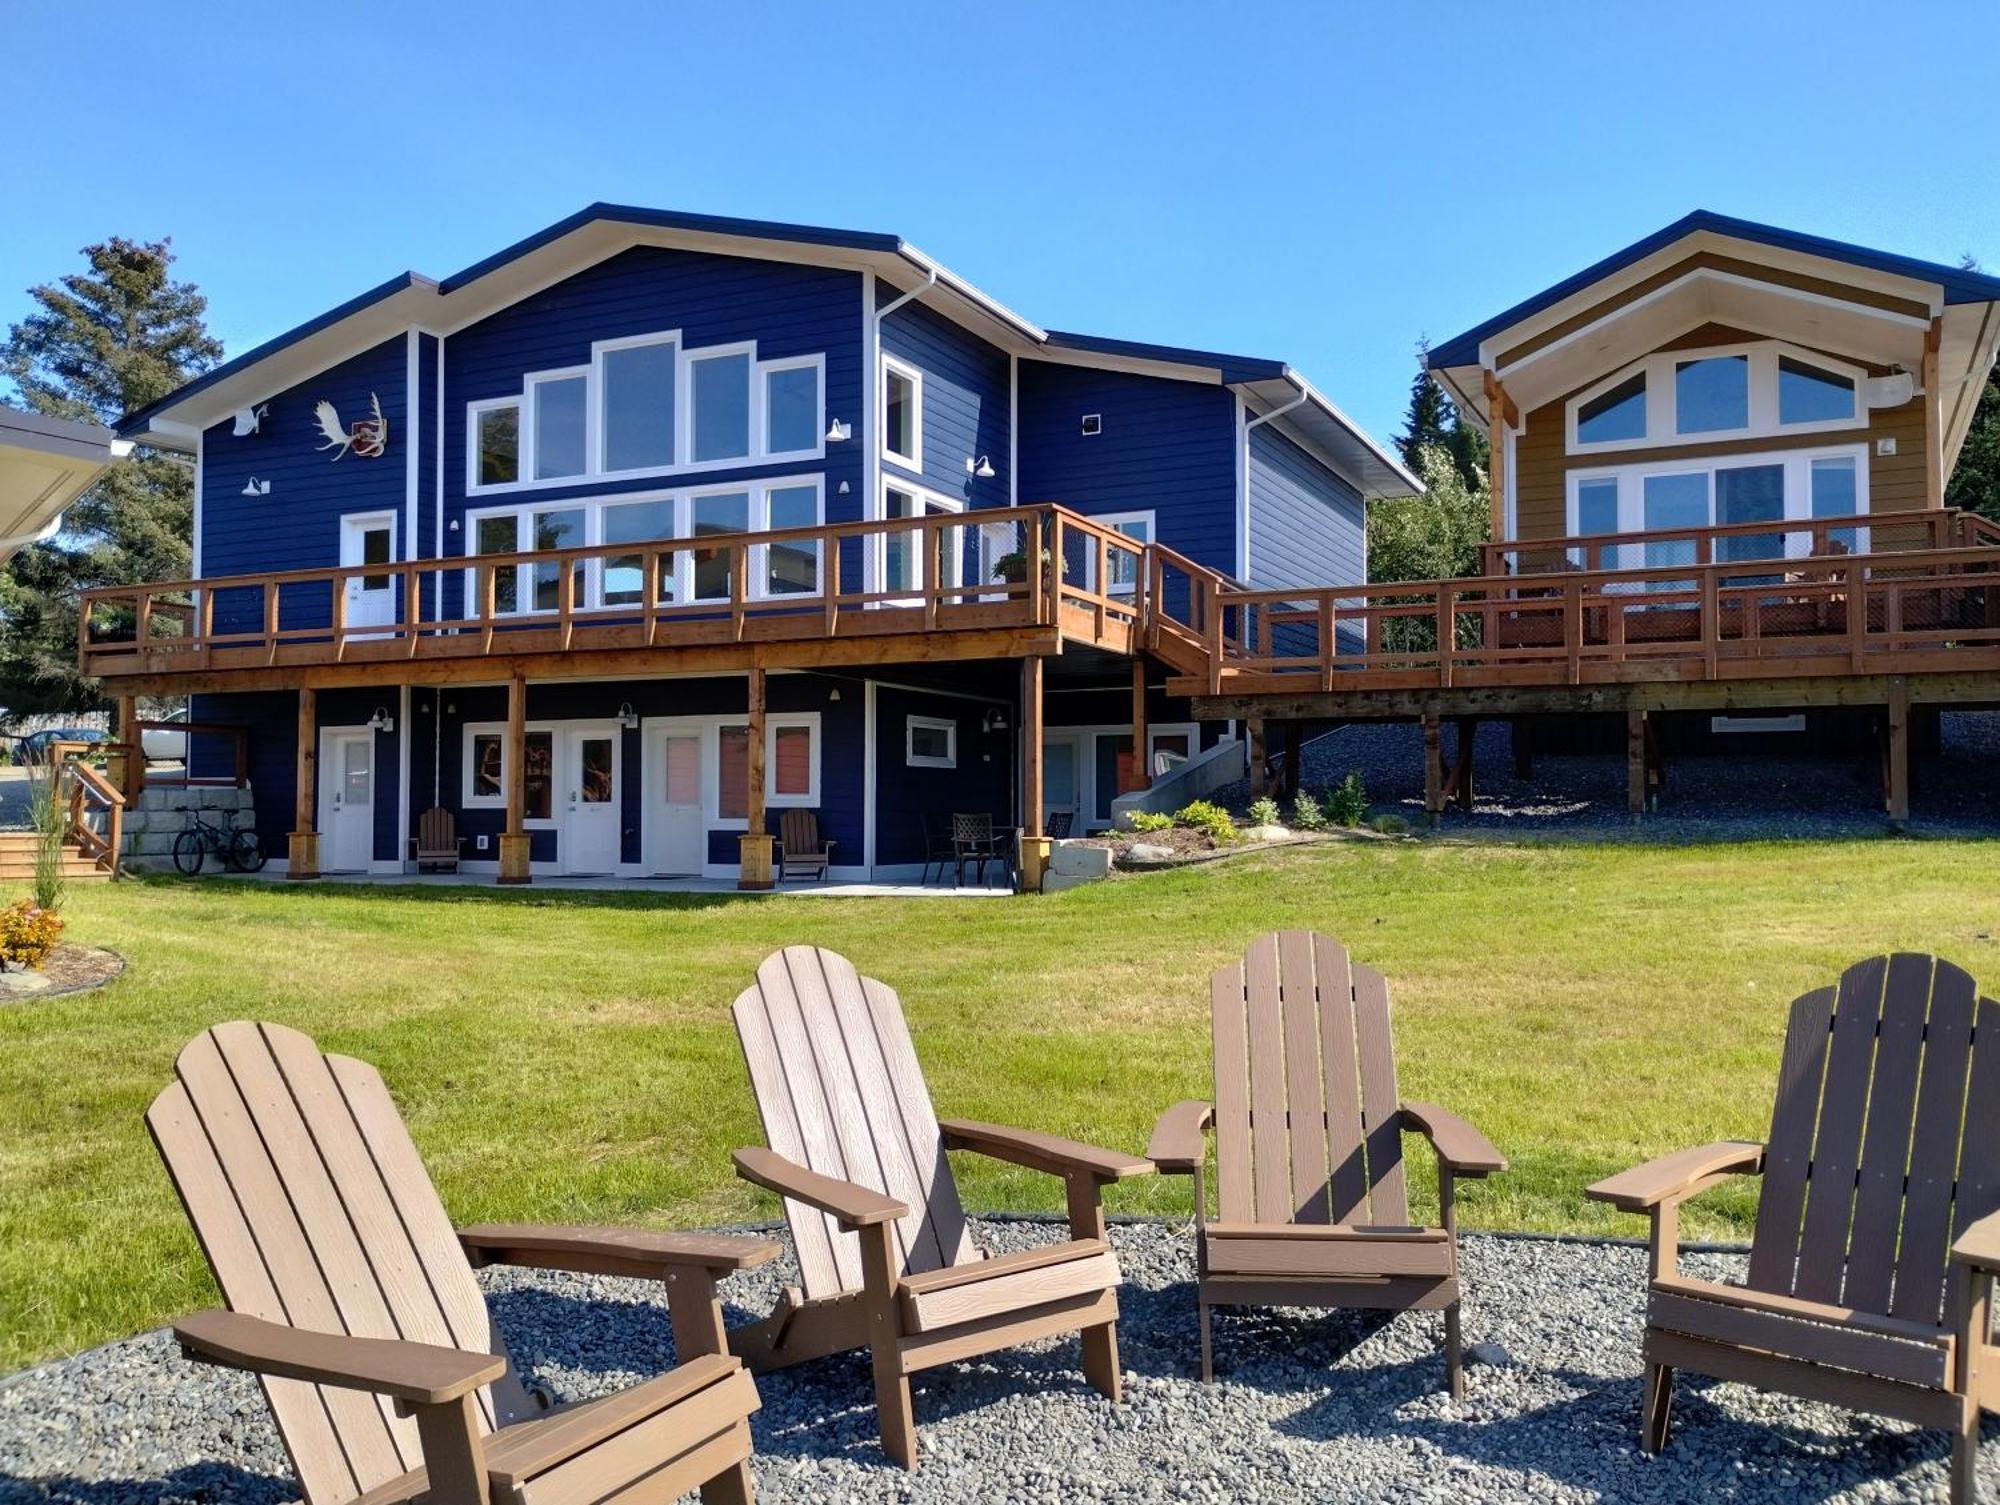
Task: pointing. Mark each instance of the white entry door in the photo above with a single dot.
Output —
(591, 820)
(679, 832)
(369, 538)
(346, 800)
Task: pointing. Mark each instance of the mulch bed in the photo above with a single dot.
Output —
(70, 968)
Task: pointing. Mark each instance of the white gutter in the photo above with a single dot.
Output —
(895, 303)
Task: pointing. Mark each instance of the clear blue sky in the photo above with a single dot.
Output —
(1317, 183)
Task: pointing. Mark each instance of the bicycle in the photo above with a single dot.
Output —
(237, 849)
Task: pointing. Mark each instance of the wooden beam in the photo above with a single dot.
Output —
(1433, 768)
(1035, 845)
(303, 855)
(1635, 762)
(754, 846)
(132, 780)
(1142, 765)
(1502, 416)
(1899, 753)
(1933, 418)
(514, 841)
(1466, 746)
(1260, 773)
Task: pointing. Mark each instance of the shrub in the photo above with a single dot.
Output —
(1203, 815)
(1391, 825)
(1307, 814)
(1264, 812)
(28, 933)
(1151, 820)
(1347, 804)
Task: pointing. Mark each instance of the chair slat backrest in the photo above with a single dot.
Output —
(437, 831)
(840, 1092)
(314, 1210)
(1885, 1137)
(1306, 1104)
(798, 830)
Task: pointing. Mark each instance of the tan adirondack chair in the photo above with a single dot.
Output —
(353, 1300)
(438, 842)
(800, 849)
(885, 1258)
(1309, 1148)
(1884, 1148)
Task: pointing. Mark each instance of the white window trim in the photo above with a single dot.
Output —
(1661, 416)
(1798, 465)
(470, 801)
(594, 436)
(593, 508)
(1112, 520)
(878, 544)
(914, 375)
(711, 772)
(913, 724)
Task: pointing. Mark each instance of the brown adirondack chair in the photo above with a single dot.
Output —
(353, 1300)
(1884, 1148)
(799, 848)
(438, 841)
(885, 1258)
(1309, 1148)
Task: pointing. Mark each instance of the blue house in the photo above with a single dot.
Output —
(653, 526)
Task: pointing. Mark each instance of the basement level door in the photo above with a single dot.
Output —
(591, 820)
(680, 835)
(346, 800)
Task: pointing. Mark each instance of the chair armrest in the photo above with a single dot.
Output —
(1461, 1149)
(855, 1206)
(1180, 1143)
(1979, 1246)
(612, 1251)
(1679, 1175)
(1041, 1152)
(417, 1374)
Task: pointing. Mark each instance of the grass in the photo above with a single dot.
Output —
(569, 1057)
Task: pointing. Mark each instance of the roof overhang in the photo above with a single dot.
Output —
(605, 230)
(1309, 416)
(1869, 306)
(45, 464)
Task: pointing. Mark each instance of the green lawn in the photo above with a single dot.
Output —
(569, 1057)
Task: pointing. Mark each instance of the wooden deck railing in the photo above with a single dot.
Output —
(87, 797)
(1780, 538)
(834, 580)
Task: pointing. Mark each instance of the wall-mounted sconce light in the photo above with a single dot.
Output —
(982, 467)
(255, 487)
(839, 431)
(249, 420)
(996, 720)
(627, 717)
(381, 721)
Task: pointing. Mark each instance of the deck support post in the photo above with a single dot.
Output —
(1433, 768)
(754, 861)
(1635, 761)
(1295, 739)
(1502, 415)
(132, 771)
(1034, 845)
(514, 841)
(302, 859)
(1260, 774)
(1899, 753)
(1142, 762)
(1521, 731)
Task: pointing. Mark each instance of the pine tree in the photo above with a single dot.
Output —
(1430, 416)
(101, 343)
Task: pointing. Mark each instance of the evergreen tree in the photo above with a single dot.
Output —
(101, 342)
(1434, 536)
(1433, 420)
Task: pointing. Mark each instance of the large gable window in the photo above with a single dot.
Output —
(559, 405)
(1725, 392)
(496, 442)
(721, 413)
(639, 381)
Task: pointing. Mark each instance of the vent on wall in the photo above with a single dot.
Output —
(1093, 423)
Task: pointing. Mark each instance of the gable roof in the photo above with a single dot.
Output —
(601, 230)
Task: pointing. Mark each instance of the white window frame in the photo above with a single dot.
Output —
(1662, 418)
(914, 461)
(913, 724)
(748, 490)
(595, 437)
(711, 799)
(1797, 463)
(470, 801)
(600, 432)
(760, 554)
(878, 547)
(1114, 521)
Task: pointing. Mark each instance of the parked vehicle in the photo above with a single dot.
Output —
(34, 748)
(165, 744)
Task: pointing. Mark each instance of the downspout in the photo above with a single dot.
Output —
(1249, 424)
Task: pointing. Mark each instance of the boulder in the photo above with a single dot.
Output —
(1145, 854)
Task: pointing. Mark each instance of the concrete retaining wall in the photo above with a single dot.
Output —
(152, 825)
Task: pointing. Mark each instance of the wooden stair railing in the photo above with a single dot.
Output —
(89, 793)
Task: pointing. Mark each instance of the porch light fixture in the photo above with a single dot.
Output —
(839, 431)
(255, 487)
(996, 720)
(982, 467)
(249, 420)
(627, 717)
(381, 721)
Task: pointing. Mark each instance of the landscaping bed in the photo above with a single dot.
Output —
(1342, 1406)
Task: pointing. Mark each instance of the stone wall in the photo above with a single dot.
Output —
(152, 825)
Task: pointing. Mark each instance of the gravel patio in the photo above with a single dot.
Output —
(1332, 1406)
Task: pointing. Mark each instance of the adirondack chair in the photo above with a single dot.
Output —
(1884, 1148)
(885, 1258)
(352, 1299)
(1309, 1148)
(438, 841)
(800, 849)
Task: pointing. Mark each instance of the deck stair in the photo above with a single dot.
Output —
(17, 860)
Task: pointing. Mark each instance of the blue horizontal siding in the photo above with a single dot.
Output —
(272, 720)
(965, 402)
(983, 781)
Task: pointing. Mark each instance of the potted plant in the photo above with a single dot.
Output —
(1013, 567)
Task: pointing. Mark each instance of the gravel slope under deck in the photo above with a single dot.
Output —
(1333, 1406)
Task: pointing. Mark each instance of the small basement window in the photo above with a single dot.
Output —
(931, 742)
